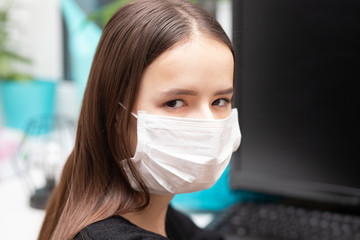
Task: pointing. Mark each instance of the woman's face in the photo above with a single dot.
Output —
(194, 79)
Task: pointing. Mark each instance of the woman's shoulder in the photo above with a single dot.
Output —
(116, 228)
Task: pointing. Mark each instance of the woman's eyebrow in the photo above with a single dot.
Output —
(179, 91)
(225, 91)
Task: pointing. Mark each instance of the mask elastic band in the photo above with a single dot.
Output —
(122, 105)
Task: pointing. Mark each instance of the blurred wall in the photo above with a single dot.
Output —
(224, 15)
(37, 33)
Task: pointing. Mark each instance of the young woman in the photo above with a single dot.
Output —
(156, 120)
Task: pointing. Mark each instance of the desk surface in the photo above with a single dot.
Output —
(17, 219)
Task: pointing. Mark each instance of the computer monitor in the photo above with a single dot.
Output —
(298, 98)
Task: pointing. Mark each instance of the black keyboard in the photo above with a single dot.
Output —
(282, 222)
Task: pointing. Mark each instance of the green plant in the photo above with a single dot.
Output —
(8, 57)
(102, 15)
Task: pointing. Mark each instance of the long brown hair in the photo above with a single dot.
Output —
(93, 185)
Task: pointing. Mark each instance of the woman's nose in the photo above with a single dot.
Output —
(204, 112)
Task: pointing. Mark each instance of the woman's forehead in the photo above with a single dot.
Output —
(192, 65)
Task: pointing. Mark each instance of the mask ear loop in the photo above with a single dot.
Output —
(122, 105)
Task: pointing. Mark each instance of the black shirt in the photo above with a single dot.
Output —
(178, 227)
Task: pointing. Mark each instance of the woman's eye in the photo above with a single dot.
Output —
(221, 102)
(174, 104)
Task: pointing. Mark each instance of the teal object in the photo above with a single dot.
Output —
(83, 38)
(217, 198)
(23, 101)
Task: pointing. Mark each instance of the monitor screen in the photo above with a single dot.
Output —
(296, 80)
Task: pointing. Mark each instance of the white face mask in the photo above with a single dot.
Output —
(181, 155)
